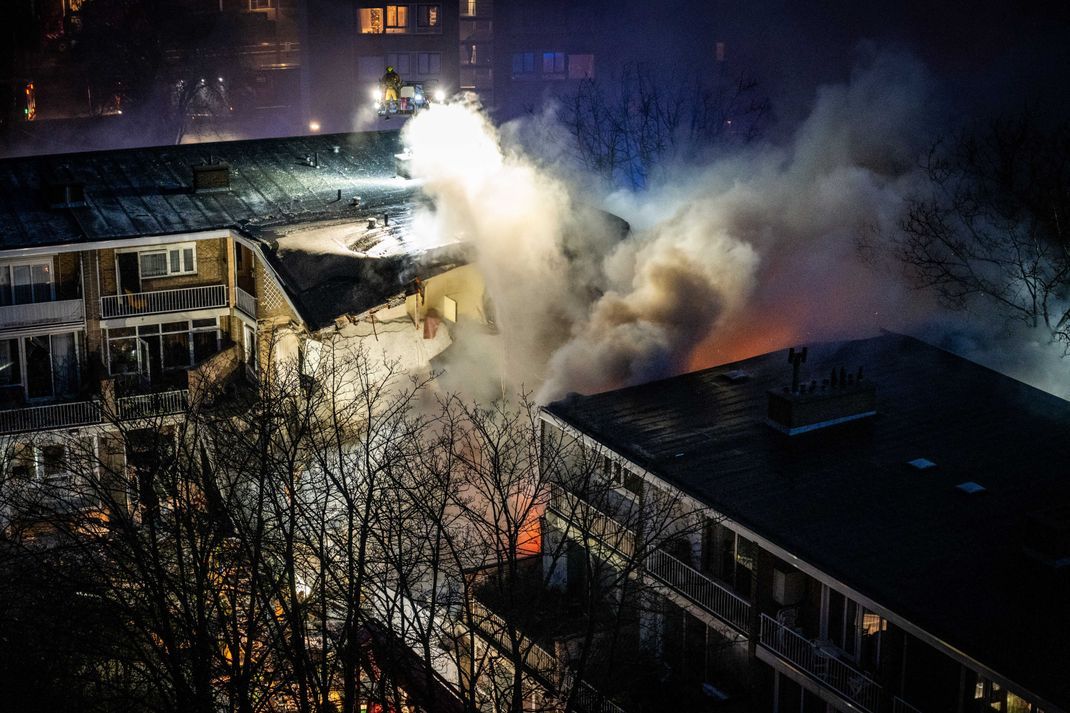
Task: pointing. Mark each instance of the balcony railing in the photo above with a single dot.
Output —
(688, 581)
(708, 594)
(245, 302)
(179, 300)
(901, 706)
(149, 405)
(58, 312)
(541, 662)
(821, 664)
(43, 418)
(595, 522)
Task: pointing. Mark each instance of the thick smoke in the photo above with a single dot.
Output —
(755, 251)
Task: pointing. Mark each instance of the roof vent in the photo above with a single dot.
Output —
(211, 177)
(806, 407)
(1047, 537)
(921, 463)
(971, 488)
(65, 194)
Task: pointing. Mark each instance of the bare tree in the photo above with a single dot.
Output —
(991, 222)
(654, 117)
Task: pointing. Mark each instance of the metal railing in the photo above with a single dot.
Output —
(592, 521)
(57, 312)
(535, 657)
(149, 405)
(43, 418)
(178, 300)
(245, 302)
(541, 662)
(820, 663)
(712, 596)
(901, 706)
(708, 594)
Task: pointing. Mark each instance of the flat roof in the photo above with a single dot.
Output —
(847, 500)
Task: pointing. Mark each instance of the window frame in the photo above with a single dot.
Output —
(167, 251)
(11, 287)
(396, 27)
(429, 28)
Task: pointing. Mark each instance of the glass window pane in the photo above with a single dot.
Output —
(176, 350)
(175, 326)
(64, 363)
(9, 363)
(204, 345)
(122, 356)
(175, 255)
(205, 323)
(23, 284)
(38, 367)
(153, 264)
(149, 329)
(6, 297)
(187, 259)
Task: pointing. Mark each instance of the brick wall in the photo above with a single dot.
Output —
(211, 269)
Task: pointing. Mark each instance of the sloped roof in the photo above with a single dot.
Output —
(146, 191)
(845, 499)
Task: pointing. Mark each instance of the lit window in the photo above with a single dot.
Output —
(164, 262)
(553, 63)
(397, 18)
(371, 21)
(262, 4)
(468, 7)
(427, 18)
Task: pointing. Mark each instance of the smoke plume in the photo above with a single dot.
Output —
(769, 246)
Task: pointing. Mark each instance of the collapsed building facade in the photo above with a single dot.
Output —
(130, 280)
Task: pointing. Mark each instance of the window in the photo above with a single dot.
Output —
(553, 63)
(430, 62)
(401, 63)
(469, 7)
(581, 66)
(371, 21)
(428, 18)
(149, 348)
(10, 374)
(262, 4)
(26, 282)
(397, 19)
(523, 64)
(171, 260)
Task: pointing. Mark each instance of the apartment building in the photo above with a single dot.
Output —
(350, 45)
(477, 48)
(130, 280)
(885, 530)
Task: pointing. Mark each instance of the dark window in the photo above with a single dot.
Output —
(523, 64)
(428, 18)
(553, 63)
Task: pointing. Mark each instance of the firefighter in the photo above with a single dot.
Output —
(391, 83)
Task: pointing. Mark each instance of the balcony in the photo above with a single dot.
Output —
(820, 662)
(163, 403)
(708, 594)
(89, 413)
(14, 317)
(184, 299)
(44, 418)
(245, 302)
(540, 662)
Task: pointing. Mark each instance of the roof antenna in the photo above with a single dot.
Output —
(796, 358)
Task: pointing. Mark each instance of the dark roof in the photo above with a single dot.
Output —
(275, 198)
(146, 191)
(845, 500)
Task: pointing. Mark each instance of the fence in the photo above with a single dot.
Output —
(178, 300)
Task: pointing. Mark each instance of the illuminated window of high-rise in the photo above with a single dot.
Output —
(371, 20)
(397, 19)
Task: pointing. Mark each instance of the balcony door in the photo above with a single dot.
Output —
(129, 274)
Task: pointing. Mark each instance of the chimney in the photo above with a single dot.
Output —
(211, 177)
(797, 409)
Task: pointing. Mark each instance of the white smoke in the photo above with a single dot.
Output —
(752, 252)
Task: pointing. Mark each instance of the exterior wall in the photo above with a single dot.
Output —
(211, 269)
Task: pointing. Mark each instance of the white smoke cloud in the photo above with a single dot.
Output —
(752, 252)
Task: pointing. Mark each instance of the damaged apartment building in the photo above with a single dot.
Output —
(874, 525)
(130, 280)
